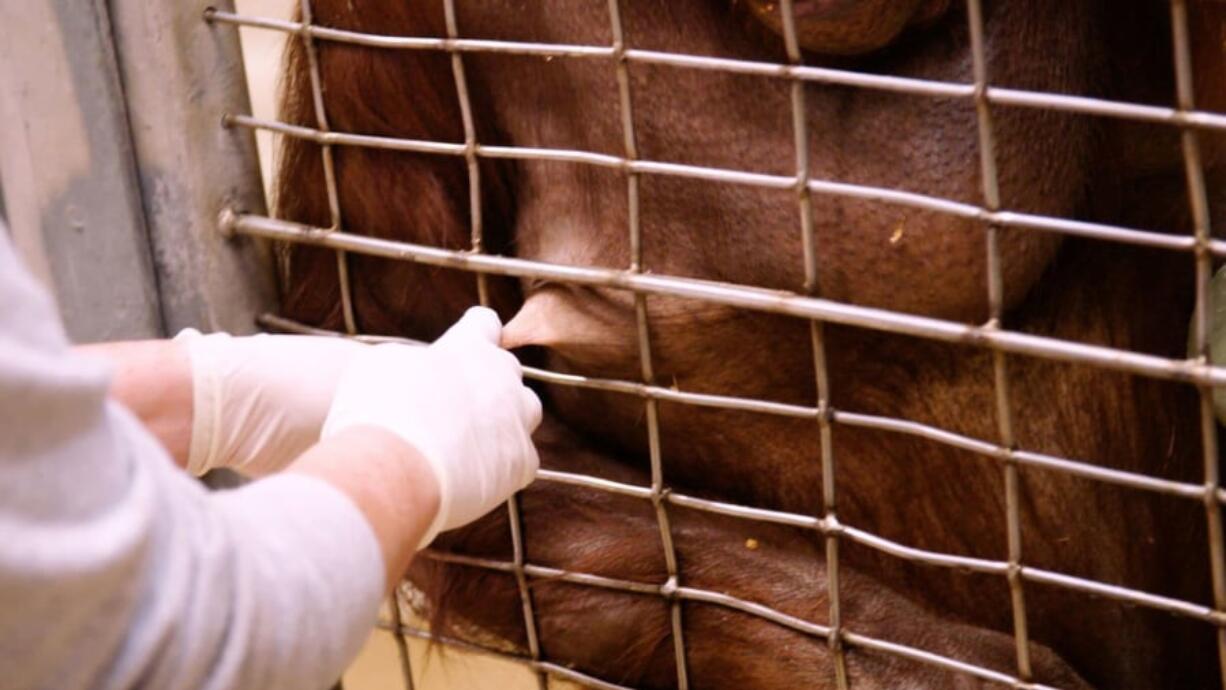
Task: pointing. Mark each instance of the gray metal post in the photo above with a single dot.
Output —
(180, 75)
(71, 194)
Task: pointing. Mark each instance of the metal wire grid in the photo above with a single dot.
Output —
(992, 335)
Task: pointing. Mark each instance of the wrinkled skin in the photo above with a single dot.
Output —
(914, 491)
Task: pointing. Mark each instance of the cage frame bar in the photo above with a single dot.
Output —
(75, 213)
(144, 185)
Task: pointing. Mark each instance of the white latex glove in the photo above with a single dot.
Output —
(260, 401)
(460, 402)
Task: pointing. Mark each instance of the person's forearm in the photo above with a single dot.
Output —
(389, 481)
(153, 379)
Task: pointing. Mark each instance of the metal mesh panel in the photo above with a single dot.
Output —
(993, 335)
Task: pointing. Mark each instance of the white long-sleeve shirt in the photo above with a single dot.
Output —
(117, 570)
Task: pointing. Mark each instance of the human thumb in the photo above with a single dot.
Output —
(480, 323)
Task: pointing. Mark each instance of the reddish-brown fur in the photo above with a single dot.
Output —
(913, 491)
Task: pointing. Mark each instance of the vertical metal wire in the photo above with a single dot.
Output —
(470, 148)
(816, 332)
(521, 581)
(1198, 199)
(334, 203)
(402, 647)
(1004, 415)
(514, 516)
(658, 491)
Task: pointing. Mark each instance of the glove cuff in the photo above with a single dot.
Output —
(206, 402)
(439, 523)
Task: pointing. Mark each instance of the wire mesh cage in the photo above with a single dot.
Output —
(839, 633)
(242, 215)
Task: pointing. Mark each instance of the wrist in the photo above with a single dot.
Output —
(392, 483)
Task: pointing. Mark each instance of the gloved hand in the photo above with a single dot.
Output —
(460, 402)
(259, 401)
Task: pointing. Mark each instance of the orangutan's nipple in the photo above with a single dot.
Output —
(540, 321)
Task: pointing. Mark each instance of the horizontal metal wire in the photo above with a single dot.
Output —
(932, 558)
(1079, 468)
(1021, 457)
(926, 557)
(920, 87)
(904, 651)
(745, 297)
(669, 590)
(924, 202)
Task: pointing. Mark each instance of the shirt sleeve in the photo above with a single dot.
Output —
(118, 571)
